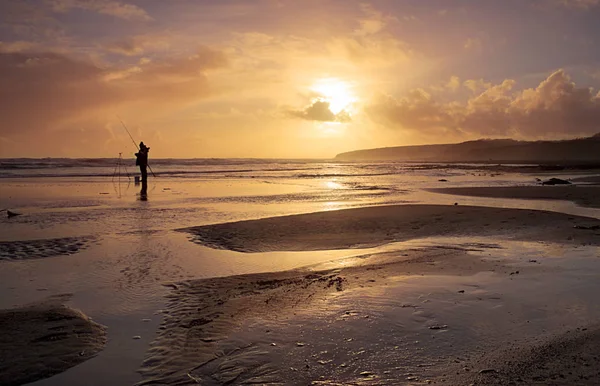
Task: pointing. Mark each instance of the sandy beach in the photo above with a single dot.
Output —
(369, 227)
(196, 345)
(328, 282)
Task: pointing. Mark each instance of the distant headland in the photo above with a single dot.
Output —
(580, 150)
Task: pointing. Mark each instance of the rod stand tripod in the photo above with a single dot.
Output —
(120, 168)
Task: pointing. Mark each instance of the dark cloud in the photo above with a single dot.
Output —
(320, 111)
(39, 91)
(107, 7)
(556, 107)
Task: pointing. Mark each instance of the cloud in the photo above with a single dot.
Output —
(476, 85)
(474, 44)
(373, 21)
(17, 46)
(137, 45)
(320, 111)
(557, 107)
(453, 84)
(106, 7)
(581, 4)
(40, 91)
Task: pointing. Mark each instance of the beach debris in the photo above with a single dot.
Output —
(137, 337)
(532, 260)
(299, 344)
(514, 273)
(367, 374)
(438, 327)
(456, 203)
(338, 282)
(461, 291)
(487, 371)
(146, 320)
(273, 344)
(104, 193)
(443, 180)
(10, 213)
(350, 313)
(556, 181)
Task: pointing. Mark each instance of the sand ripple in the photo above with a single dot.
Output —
(35, 249)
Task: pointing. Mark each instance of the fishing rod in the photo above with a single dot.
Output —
(135, 143)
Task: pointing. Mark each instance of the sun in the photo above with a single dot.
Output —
(336, 92)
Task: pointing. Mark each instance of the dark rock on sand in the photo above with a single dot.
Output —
(10, 213)
(589, 228)
(556, 181)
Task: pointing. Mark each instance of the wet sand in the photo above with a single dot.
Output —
(36, 249)
(587, 196)
(396, 317)
(318, 325)
(202, 315)
(44, 339)
(572, 358)
(372, 226)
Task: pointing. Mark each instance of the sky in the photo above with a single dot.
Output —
(292, 78)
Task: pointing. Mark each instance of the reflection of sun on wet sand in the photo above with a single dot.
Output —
(396, 317)
(44, 339)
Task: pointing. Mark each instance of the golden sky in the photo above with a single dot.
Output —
(290, 78)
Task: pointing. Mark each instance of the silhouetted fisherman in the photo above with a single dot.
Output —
(142, 161)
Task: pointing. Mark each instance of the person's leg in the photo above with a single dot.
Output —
(144, 173)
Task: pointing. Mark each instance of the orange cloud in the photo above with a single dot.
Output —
(42, 90)
(556, 107)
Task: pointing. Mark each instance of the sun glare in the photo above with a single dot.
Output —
(337, 92)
